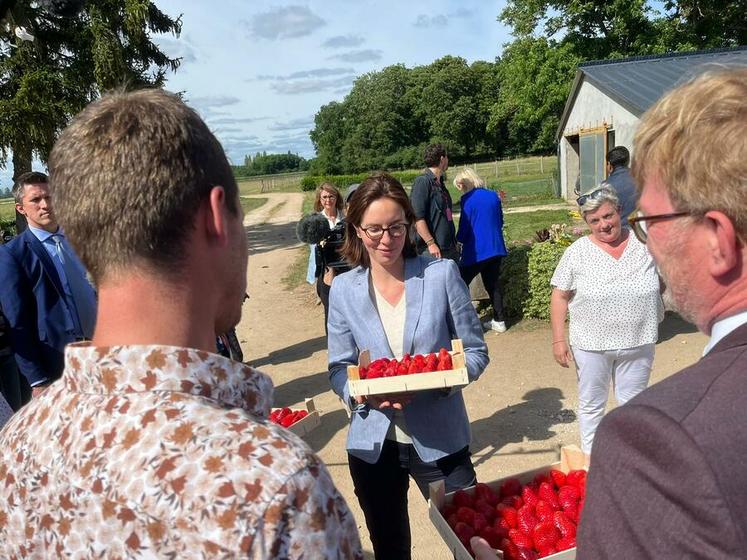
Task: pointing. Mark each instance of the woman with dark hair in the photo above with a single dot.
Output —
(391, 303)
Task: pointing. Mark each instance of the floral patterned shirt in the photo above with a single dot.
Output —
(155, 451)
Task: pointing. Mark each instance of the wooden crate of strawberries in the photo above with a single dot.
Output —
(300, 421)
(530, 515)
(384, 376)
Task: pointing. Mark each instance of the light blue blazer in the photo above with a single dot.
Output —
(438, 309)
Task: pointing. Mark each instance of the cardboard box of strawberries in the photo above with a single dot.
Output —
(298, 420)
(524, 517)
(410, 373)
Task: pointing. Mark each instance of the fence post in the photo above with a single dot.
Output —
(518, 172)
(542, 167)
(496, 169)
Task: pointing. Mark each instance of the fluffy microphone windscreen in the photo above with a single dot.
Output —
(312, 228)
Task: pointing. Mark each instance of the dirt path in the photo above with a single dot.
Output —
(522, 408)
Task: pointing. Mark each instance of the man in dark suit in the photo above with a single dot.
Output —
(667, 469)
(44, 293)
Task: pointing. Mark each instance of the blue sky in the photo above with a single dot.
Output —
(258, 71)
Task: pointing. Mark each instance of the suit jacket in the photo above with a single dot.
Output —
(667, 473)
(34, 303)
(438, 308)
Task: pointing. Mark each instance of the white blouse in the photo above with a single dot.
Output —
(616, 304)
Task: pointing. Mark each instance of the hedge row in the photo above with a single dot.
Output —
(525, 275)
(311, 182)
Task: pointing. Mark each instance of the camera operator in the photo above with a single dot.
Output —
(324, 231)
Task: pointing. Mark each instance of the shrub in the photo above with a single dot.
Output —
(515, 280)
(543, 258)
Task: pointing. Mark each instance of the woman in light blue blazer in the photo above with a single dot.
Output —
(395, 302)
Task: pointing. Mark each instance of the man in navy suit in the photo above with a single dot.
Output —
(44, 293)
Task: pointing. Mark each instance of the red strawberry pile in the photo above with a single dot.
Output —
(525, 522)
(286, 417)
(385, 367)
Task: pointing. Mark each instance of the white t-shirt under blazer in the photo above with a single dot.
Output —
(616, 304)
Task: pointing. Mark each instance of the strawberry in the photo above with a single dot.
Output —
(402, 369)
(302, 414)
(546, 492)
(466, 515)
(520, 539)
(576, 478)
(566, 527)
(274, 415)
(529, 496)
(542, 477)
(479, 522)
(527, 554)
(568, 495)
(572, 513)
(486, 493)
(375, 373)
(285, 411)
(544, 536)
(547, 552)
(544, 510)
(510, 487)
(509, 549)
(452, 520)
(288, 420)
(565, 543)
(464, 532)
(462, 498)
(448, 509)
(413, 368)
(483, 507)
(492, 536)
(558, 477)
(509, 514)
(514, 501)
(362, 372)
(526, 519)
(501, 526)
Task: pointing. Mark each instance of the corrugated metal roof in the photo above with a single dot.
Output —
(637, 83)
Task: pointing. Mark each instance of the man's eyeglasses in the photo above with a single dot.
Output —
(640, 227)
(581, 200)
(377, 232)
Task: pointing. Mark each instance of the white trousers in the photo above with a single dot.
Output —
(628, 370)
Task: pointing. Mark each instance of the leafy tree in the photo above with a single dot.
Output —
(71, 61)
(535, 77)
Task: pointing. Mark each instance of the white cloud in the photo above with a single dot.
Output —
(285, 22)
(440, 20)
(297, 87)
(343, 41)
(177, 48)
(293, 124)
(313, 73)
(364, 55)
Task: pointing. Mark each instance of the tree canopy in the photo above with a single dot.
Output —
(513, 104)
(72, 60)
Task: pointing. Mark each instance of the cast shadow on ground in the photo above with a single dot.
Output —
(292, 353)
(332, 423)
(268, 237)
(300, 388)
(532, 419)
(672, 325)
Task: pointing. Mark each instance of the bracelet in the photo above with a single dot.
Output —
(430, 242)
(556, 341)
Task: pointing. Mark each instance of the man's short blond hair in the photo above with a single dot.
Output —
(695, 140)
(128, 176)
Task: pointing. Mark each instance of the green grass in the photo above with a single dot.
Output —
(296, 275)
(7, 209)
(249, 204)
(285, 182)
(521, 226)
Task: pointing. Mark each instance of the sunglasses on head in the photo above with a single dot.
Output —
(581, 200)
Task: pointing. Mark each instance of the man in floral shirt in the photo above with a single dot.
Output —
(150, 445)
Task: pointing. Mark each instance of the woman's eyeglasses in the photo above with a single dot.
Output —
(329, 197)
(377, 232)
(640, 227)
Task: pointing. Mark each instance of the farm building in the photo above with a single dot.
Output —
(609, 97)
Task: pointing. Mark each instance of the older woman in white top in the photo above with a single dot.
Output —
(608, 283)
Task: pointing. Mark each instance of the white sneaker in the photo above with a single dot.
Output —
(497, 326)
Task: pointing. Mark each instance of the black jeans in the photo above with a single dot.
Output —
(381, 489)
(490, 270)
(322, 290)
